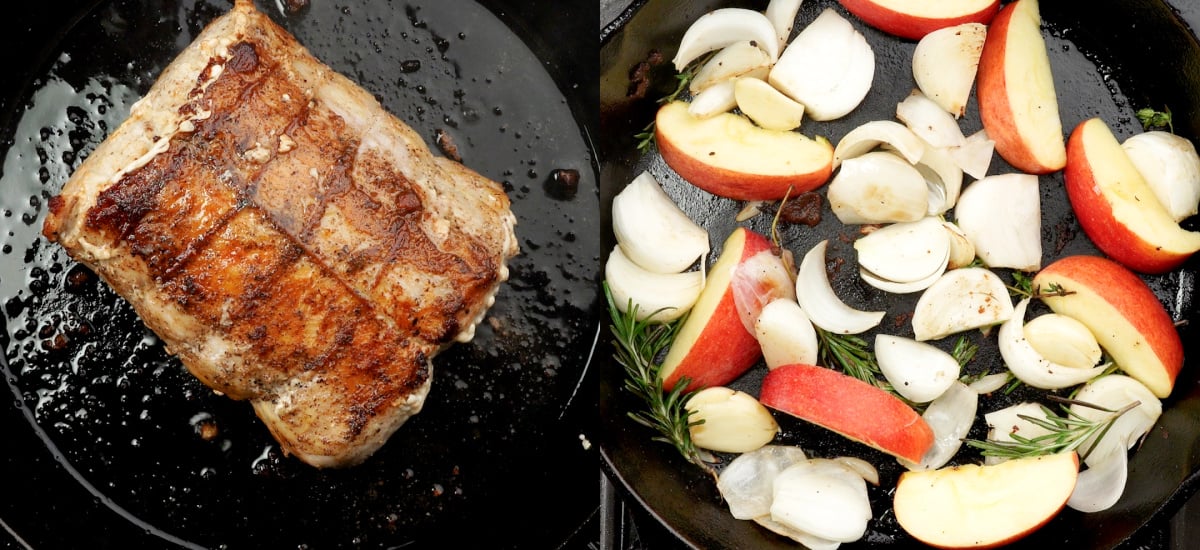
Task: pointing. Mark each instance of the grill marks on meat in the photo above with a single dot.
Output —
(300, 257)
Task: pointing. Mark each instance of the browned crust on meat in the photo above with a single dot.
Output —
(307, 261)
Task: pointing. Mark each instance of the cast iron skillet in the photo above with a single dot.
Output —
(1109, 59)
(109, 443)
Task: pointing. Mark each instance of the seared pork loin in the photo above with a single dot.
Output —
(290, 241)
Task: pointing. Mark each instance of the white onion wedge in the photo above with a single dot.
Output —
(1004, 423)
(905, 252)
(660, 297)
(950, 416)
(944, 64)
(758, 281)
(892, 287)
(990, 383)
(823, 498)
(785, 334)
(960, 300)
(1063, 340)
(1171, 167)
(1002, 216)
(811, 542)
(653, 231)
(730, 421)
(714, 100)
(782, 15)
(828, 67)
(866, 137)
(929, 121)
(733, 61)
(746, 483)
(918, 371)
(962, 252)
(1101, 485)
(878, 187)
(826, 310)
(766, 106)
(722, 27)
(1114, 392)
(974, 156)
(943, 177)
(869, 473)
(1028, 365)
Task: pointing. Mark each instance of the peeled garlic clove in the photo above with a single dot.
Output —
(974, 156)
(1063, 340)
(960, 300)
(818, 300)
(962, 252)
(733, 61)
(929, 121)
(766, 106)
(747, 482)
(714, 100)
(1101, 485)
(950, 416)
(1003, 423)
(905, 252)
(1114, 392)
(722, 27)
(653, 231)
(785, 334)
(660, 297)
(1171, 167)
(866, 137)
(877, 187)
(823, 498)
(1002, 217)
(917, 371)
(730, 421)
(782, 15)
(1028, 365)
(944, 64)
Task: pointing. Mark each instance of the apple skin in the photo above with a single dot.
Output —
(1032, 146)
(1139, 233)
(713, 347)
(889, 15)
(974, 506)
(840, 403)
(727, 155)
(1125, 316)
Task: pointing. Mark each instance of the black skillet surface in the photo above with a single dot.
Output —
(103, 430)
(1109, 59)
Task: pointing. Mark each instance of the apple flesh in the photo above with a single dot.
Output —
(713, 347)
(727, 155)
(1015, 89)
(837, 402)
(1128, 320)
(913, 20)
(973, 506)
(1116, 208)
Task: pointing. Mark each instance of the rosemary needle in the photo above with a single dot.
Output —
(1065, 433)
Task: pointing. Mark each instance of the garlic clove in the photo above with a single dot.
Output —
(714, 100)
(917, 371)
(735, 60)
(1171, 167)
(729, 421)
(766, 106)
(1063, 340)
(962, 252)
(960, 300)
(785, 334)
(1028, 365)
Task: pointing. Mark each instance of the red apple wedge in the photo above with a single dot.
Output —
(913, 20)
(728, 155)
(973, 506)
(714, 345)
(1015, 90)
(837, 402)
(1116, 208)
(1128, 320)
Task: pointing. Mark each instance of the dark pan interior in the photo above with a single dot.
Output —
(103, 429)
(1109, 58)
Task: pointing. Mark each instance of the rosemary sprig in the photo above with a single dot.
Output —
(682, 80)
(964, 350)
(850, 353)
(1022, 287)
(637, 344)
(1152, 119)
(645, 138)
(1066, 433)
